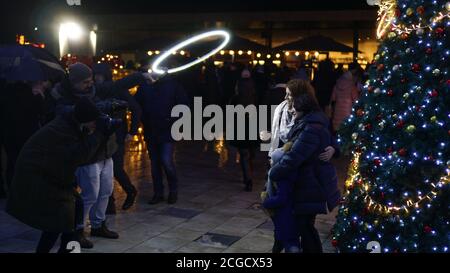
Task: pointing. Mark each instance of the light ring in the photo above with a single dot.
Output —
(168, 53)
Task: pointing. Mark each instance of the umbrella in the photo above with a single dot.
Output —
(28, 63)
(317, 43)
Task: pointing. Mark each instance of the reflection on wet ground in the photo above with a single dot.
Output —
(213, 213)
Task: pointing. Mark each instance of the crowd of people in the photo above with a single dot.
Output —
(65, 140)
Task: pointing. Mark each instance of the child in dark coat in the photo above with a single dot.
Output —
(279, 203)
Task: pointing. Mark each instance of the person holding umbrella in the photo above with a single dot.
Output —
(27, 73)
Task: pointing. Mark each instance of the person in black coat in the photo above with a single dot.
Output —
(42, 193)
(22, 109)
(316, 190)
(157, 101)
(324, 83)
(245, 96)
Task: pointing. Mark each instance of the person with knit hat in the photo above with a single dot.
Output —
(95, 178)
(42, 193)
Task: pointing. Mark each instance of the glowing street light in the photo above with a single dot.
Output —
(71, 31)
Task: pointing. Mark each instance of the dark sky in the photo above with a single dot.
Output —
(21, 16)
(157, 6)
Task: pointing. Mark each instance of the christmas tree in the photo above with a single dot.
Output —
(398, 184)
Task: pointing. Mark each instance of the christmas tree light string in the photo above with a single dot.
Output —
(387, 19)
(354, 178)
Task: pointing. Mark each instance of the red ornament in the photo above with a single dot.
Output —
(360, 112)
(448, 82)
(389, 150)
(404, 36)
(400, 124)
(439, 31)
(334, 243)
(390, 93)
(377, 162)
(448, 132)
(370, 89)
(429, 51)
(415, 68)
(365, 211)
(427, 229)
(418, 108)
(402, 152)
(368, 126)
(420, 10)
(434, 93)
(380, 67)
(382, 195)
(398, 13)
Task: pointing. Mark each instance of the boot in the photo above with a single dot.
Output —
(156, 199)
(131, 198)
(248, 185)
(173, 198)
(80, 238)
(104, 232)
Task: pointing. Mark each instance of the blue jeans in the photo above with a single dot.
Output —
(96, 183)
(161, 157)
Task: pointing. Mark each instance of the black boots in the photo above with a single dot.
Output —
(172, 199)
(80, 238)
(104, 232)
(156, 199)
(131, 198)
(248, 185)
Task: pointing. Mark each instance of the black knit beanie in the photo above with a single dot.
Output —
(86, 111)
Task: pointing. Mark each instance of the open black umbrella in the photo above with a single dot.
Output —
(28, 63)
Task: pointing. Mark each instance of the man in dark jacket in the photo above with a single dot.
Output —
(96, 177)
(102, 75)
(157, 101)
(42, 193)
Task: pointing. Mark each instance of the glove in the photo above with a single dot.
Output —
(105, 125)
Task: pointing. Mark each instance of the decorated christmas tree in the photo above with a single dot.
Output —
(398, 184)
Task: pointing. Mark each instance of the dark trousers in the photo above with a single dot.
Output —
(161, 157)
(119, 171)
(48, 239)
(310, 240)
(246, 156)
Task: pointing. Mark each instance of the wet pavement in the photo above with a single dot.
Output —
(213, 213)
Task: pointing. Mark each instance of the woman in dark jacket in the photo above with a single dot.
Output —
(316, 190)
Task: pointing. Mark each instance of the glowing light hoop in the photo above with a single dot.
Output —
(168, 53)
